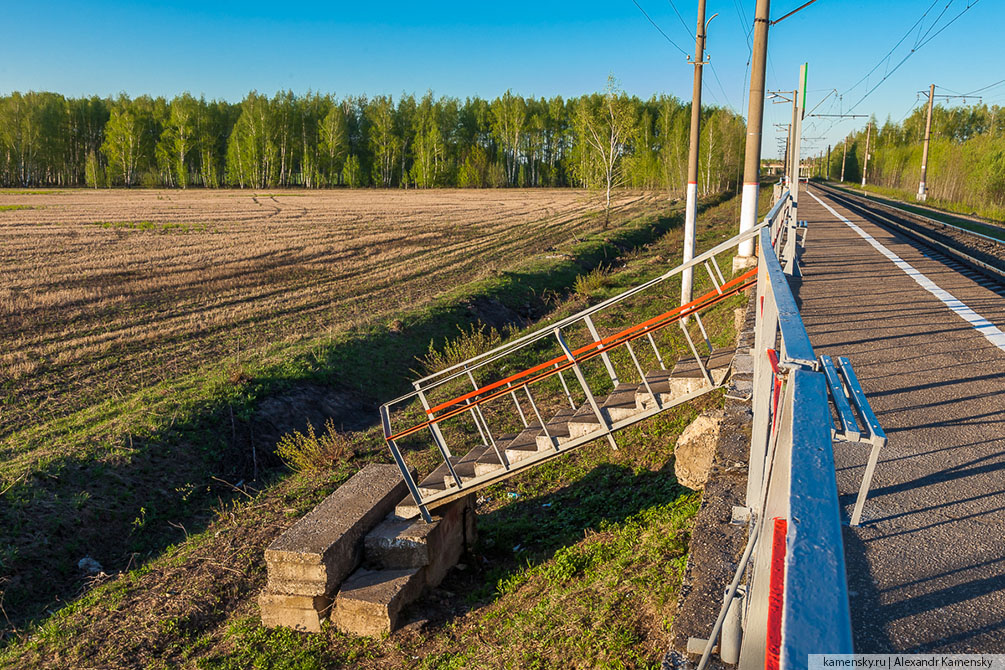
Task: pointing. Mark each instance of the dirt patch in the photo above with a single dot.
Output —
(494, 314)
(306, 404)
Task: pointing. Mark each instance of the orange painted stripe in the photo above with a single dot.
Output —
(592, 353)
(586, 348)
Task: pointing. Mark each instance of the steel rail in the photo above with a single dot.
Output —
(860, 203)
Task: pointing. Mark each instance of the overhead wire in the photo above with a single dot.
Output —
(681, 18)
(676, 46)
(925, 39)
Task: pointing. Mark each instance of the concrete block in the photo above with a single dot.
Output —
(369, 602)
(412, 543)
(695, 449)
(313, 556)
(292, 611)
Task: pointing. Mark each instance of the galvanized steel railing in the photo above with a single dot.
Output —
(493, 395)
(795, 599)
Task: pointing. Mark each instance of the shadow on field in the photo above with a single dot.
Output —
(530, 531)
(124, 503)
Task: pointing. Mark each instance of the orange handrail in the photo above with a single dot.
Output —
(587, 347)
(591, 350)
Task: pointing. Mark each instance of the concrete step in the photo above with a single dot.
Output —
(398, 543)
(370, 601)
(312, 557)
(294, 611)
(685, 378)
(618, 406)
(558, 429)
(520, 447)
(440, 478)
(719, 362)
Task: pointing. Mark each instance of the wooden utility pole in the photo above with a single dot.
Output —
(755, 119)
(691, 208)
(865, 167)
(922, 191)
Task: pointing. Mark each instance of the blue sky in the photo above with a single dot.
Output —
(225, 49)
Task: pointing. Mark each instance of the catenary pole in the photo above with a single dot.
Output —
(755, 119)
(844, 157)
(865, 167)
(691, 208)
(922, 187)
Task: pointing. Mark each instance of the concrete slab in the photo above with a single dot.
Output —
(411, 543)
(370, 601)
(313, 556)
(304, 613)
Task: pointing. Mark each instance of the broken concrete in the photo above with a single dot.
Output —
(294, 611)
(370, 601)
(695, 449)
(411, 543)
(312, 557)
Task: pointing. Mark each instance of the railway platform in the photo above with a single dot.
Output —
(926, 567)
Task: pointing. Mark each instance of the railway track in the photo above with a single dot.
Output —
(958, 247)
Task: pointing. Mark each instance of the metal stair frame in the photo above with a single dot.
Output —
(573, 358)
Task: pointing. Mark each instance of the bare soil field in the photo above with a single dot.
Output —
(154, 345)
(102, 292)
(578, 562)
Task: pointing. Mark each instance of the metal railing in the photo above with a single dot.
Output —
(794, 601)
(490, 398)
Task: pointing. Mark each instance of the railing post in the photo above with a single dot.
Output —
(586, 388)
(764, 338)
(607, 360)
(437, 435)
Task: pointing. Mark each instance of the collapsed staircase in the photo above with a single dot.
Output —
(569, 427)
(566, 413)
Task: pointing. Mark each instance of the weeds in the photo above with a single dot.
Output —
(478, 339)
(594, 280)
(304, 452)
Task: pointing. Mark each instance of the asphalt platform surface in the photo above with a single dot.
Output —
(926, 569)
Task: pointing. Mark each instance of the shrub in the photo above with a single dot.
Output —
(592, 281)
(305, 452)
(469, 343)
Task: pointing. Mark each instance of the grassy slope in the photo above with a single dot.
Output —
(933, 209)
(122, 480)
(603, 599)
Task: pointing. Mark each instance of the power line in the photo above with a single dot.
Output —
(982, 89)
(918, 46)
(686, 29)
(894, 48)
(676, 46)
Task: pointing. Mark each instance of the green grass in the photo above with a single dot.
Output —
(159, 227)
(578, 560)
(14, 208)
(933, 209)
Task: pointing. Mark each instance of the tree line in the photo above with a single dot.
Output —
(966, 155)
(318, 141)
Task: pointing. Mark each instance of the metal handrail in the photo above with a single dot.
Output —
(441, 401)
(791, 483)
(479, 360)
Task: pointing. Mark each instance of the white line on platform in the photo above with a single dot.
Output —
(980, 324)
